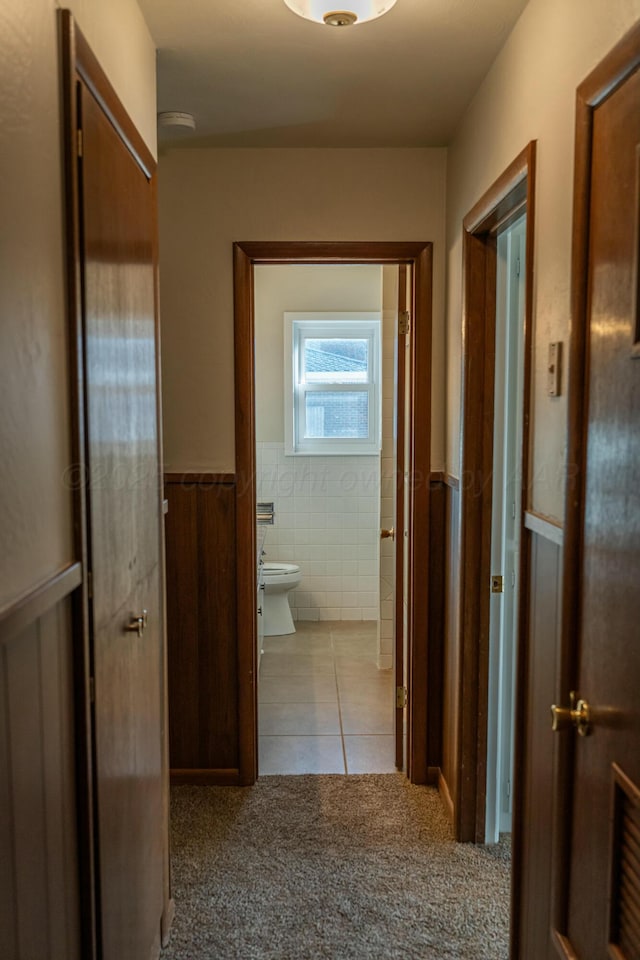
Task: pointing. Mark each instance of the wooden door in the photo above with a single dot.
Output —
(117, 227)
(598, 910)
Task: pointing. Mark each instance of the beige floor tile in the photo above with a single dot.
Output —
(353, 689)
(360, 667)
(307, 644)
(362, 647)
(312, 689)
(296, 665)
(298, 755)
(370, 754)
(354, 628)
(367, 718)
(308, 719)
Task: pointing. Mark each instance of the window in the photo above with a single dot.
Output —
(332, 383)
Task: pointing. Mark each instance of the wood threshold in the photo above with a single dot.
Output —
(33, 604)
(223, 777)
(544, 526)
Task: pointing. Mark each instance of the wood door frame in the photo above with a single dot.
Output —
(400, 455)
(246, 255)
(80, 65)
(616, 67)
(511, 194)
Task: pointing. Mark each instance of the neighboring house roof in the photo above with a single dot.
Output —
(326, 361)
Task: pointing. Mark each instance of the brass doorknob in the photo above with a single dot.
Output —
(388, 534)
(578, 715)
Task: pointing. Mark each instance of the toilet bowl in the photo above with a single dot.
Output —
(279, 580)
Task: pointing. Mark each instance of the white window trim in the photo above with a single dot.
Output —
(351, 324)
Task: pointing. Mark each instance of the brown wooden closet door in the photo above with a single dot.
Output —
(603, 918)
(117, 216)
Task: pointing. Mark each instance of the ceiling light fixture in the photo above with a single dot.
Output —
(323, 11)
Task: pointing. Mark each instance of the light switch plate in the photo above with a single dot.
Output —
(553, 369)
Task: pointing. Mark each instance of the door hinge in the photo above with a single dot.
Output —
(92, 689)
(513, 578)
(517, 266)
(497, 584)
(90, 585)
(79, 144)
(508, 788)
(401, 697)
(404, 323)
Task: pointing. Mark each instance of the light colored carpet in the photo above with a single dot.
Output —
(347, 868)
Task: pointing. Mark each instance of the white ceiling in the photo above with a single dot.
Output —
(255, 74)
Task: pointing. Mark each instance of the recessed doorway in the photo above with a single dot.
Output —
(411, 671)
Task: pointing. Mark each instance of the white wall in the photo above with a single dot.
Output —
(35, 501)
(326, 507)
(306, 288)
(529, 94)
(208, 199)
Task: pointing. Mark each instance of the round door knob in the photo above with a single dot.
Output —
(578, 715)
(388, 534)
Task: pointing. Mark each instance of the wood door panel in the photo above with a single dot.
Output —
(608, 637)
(117, 213)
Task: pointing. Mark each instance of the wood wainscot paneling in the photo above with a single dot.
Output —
(535, 739)
(202, 628)
(39, 866)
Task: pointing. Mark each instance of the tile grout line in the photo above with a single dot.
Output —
(335, 674)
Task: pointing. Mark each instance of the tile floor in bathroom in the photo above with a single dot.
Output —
(324, 706)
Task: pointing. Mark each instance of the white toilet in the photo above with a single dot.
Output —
(279, 580)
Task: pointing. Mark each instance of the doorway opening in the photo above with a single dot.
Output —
(505, 528)
(497, 337)
(326, 339)
(411, 675)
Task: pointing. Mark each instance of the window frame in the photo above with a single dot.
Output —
(301, 326)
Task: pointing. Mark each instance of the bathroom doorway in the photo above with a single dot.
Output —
(408, 688)
(326, 344)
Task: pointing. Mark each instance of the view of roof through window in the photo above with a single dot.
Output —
(332, 360)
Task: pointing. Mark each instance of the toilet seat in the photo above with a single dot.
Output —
(272, 568)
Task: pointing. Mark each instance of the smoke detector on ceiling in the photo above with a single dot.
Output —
(176, 123)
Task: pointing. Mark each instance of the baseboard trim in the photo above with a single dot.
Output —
(166, 922)
(223, 777)
(433, 775)
(443, 789)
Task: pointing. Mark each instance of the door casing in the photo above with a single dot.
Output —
(512, 194)
(419, 256)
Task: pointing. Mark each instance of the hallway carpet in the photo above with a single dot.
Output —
(339, 867)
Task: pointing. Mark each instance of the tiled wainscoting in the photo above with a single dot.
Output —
(324, 705)
(327, 513)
